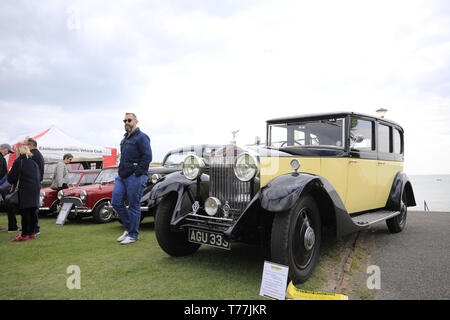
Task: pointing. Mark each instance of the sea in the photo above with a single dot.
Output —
(432, 192)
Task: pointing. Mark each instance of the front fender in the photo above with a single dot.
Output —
(173, 182)
(282, 193)
(177, 183)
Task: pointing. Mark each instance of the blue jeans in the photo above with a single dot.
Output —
(131, 189)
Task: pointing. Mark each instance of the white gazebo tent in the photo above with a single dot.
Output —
(53, 143)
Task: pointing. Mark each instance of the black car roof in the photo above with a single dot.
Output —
(328, 114)
(193, 147)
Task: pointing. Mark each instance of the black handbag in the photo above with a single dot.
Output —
(13, 197)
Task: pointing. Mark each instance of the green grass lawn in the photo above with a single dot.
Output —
(36, 269)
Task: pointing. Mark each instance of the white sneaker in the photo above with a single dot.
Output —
(123, 236)
(128, 240)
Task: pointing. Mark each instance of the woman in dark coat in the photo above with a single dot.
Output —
(25, 171)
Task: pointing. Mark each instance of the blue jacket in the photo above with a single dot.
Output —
(136, 154)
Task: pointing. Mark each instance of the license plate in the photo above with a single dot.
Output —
(214, 239)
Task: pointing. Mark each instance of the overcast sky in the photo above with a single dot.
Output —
(195, 70)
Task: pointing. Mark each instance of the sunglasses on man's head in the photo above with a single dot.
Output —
(127, 120)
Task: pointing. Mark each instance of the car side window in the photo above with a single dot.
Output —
(383, 139)
(397, 141)
(361, 135)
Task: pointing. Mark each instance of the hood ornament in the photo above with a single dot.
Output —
(234, 136)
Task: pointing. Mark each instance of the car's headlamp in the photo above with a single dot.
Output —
(212, 205)
(193, 167)
(60, 194)
(155, 178)
(42, 196)
(83, 195)
(246, 167)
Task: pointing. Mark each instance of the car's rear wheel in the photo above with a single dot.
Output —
(398, 223)
(173, 243)
(295, 240)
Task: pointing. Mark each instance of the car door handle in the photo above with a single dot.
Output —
(353, 161)
(381, 162)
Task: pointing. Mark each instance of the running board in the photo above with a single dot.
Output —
(367, 219)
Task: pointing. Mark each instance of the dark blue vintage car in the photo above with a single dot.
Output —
(172, 162)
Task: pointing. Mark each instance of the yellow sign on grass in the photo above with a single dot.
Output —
(296, 294)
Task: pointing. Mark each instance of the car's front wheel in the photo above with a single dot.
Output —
(295, 240)
(173, 243)
(104, 212)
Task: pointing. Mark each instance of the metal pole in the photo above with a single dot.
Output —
(425, 206)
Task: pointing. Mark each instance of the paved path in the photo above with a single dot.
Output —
(415, 263)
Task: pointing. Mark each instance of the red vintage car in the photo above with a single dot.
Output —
(48, 198)
(92, 200)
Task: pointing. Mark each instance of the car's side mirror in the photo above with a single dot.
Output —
(358, 138)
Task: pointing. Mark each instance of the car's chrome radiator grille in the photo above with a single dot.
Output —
(226, 187)
(76, 201)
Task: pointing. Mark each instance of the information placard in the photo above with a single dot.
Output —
(274, 281)
(63, 213)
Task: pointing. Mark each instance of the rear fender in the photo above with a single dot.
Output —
(400, 186)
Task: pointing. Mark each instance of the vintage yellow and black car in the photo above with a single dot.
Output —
(334, 172)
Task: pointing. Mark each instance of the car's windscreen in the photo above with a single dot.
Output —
(73, 178)
(88, 178)
(326, 132)
(107, 175)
